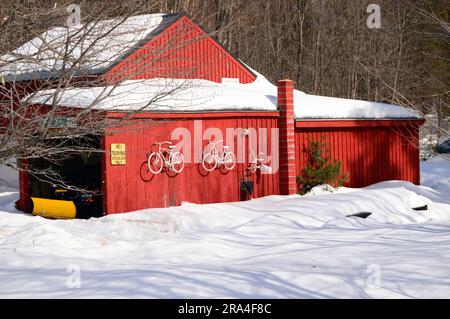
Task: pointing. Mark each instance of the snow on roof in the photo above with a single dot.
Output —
(91, 46)
(322, 107)
(175, 95)
(179, 95)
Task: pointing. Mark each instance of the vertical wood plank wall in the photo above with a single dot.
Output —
(368, 154)
(183, 51)
(131, 187)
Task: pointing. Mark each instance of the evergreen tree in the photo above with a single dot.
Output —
(321, 168)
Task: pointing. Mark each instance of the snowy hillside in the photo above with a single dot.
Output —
(274, 247)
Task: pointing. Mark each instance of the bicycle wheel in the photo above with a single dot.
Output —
(229, 161)
(155, 163)
(176, 161)
(209, 162)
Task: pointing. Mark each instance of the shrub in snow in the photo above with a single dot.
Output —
(320, 168)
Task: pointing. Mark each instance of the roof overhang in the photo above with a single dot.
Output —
(194, 115)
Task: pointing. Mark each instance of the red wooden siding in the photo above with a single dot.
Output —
(130, 187)
(24, 202)
(183, 50)
(370, 153)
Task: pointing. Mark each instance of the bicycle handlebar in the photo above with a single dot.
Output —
(160, 143)
(215, 141)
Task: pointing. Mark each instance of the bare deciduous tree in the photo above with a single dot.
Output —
(65, 63)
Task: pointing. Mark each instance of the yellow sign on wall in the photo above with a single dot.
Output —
(118, 154)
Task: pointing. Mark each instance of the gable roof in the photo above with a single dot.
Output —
(183, 50)
(93, 48)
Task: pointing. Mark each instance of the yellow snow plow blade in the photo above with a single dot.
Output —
(52, 208)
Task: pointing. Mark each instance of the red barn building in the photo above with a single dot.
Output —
(221, 99)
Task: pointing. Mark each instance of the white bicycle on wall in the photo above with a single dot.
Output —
(213, 158)
(258, 163)
(166, 157)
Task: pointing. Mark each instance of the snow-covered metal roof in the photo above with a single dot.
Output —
(178, 95)
(89, 48)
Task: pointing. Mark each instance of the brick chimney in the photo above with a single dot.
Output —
(288, 180)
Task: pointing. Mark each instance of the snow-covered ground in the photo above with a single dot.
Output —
(274, 247)
(435, 173)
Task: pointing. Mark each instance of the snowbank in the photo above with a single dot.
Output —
(273, 247)
(435, 173)
(9, 177)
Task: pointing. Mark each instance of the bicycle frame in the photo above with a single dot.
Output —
(215, 152)
(165, 152)
(258, 163)
(168, 158)
(216, 158)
